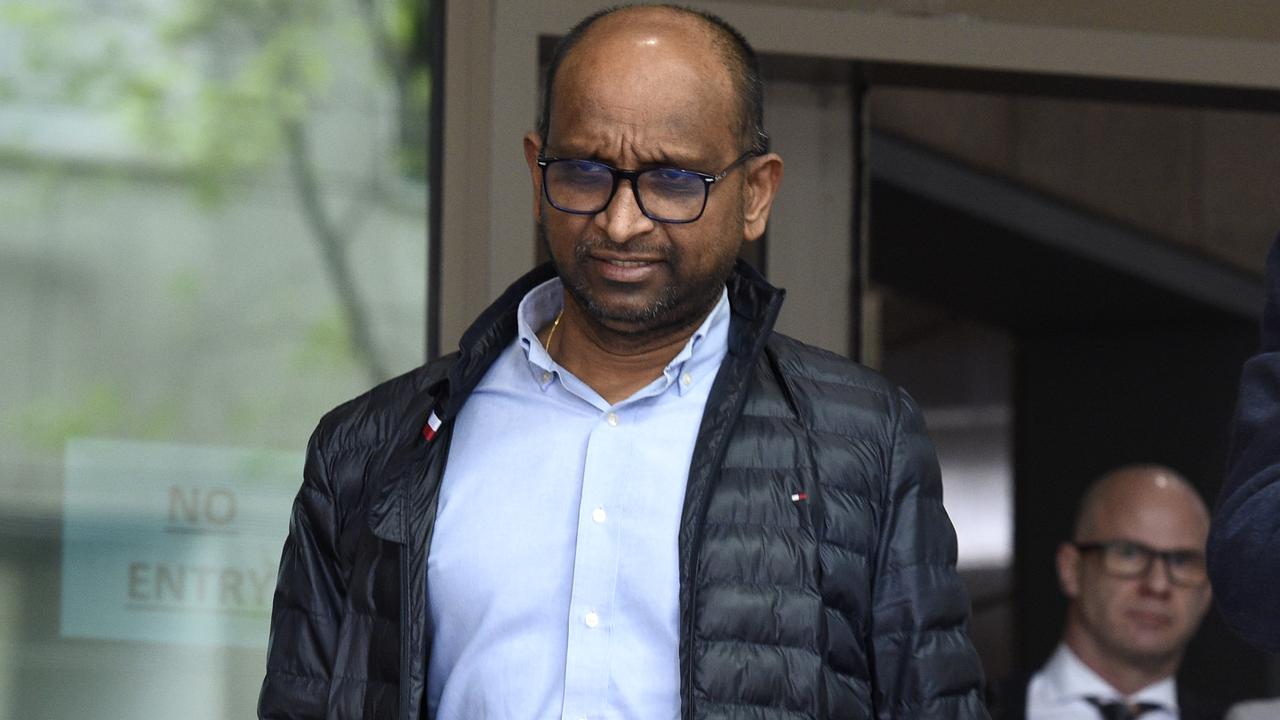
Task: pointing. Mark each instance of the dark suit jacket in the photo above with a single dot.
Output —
(1007, 700)
(1244, 564)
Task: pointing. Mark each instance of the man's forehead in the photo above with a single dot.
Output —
(1157, 514)
(636, 91)
(639, 37)
(649, 26)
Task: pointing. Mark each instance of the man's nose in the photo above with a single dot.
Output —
(622, 219)
(1157, 576)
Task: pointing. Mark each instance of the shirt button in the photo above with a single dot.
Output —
(592, 619)
(613, 419)
(686, 380)
(598, 515)
(546, 377)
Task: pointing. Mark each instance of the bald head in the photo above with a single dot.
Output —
(1129, 494)
(734, 61)
(1134, 575)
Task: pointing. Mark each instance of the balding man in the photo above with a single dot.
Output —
(653, 506)
(1134, 576)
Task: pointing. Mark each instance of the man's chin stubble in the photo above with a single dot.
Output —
(650, 319)
(661, 316)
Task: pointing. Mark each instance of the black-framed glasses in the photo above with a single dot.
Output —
(664, 194)
(1128, 559)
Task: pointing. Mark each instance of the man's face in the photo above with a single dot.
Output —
(637, 98)
(1145, 620)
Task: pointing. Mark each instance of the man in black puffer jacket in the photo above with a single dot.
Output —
(626, 496)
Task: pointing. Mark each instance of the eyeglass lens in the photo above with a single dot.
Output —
(1125, 559)
(664, 194)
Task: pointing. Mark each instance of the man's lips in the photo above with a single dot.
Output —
(1149, 619)
(625, 269)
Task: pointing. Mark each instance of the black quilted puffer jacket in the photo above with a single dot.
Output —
(843, 605)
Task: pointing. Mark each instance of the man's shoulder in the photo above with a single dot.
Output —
(841, 379)
(381, 413)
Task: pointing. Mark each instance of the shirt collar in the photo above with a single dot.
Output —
(699, 356)
(1068, 678)
(704, 351)
(539, 308)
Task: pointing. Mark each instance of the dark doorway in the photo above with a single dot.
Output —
(1128, 355)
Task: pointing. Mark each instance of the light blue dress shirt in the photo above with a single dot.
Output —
(553, 578)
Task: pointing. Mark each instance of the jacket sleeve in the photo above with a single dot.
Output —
(1244, 540)
(306, 608)
(922, 661)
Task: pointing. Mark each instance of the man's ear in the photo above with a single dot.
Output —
(764, 175)
(1068, 560)
(532, 148)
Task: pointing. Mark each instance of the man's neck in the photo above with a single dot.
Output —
(615, 365)
(1126, 677)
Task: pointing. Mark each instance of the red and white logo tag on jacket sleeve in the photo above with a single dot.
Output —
(433, 424)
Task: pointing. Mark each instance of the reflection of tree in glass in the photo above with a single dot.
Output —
(221, 87)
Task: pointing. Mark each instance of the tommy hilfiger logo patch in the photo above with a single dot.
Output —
(433, 424)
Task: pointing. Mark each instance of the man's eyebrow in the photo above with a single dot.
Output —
(679, 159)
(699, 165)
(660, 158)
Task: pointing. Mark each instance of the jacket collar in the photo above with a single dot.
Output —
(754, 306)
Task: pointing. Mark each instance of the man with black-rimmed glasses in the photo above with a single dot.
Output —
(626, 497)
(1134, 576)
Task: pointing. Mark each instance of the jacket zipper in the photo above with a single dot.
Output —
(686, 710)
(441, 459)
(737, 390)
(406, 550)
(734, 397)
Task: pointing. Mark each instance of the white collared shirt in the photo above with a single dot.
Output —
(1059, 690)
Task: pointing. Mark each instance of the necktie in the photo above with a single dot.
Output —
(1116, 710)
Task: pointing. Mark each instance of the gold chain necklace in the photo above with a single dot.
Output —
(552, 334)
